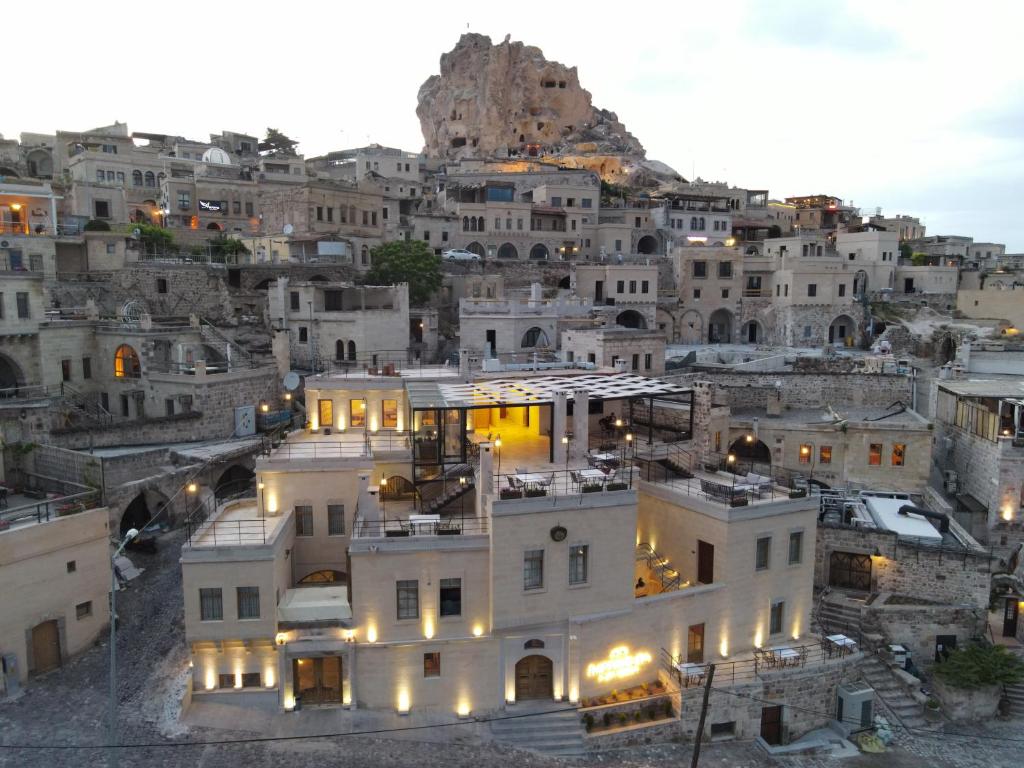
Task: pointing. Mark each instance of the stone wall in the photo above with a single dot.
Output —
(918, 626)
(944, 577)
(180, 428)
(802, 390)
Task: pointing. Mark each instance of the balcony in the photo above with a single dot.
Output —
(233, 522)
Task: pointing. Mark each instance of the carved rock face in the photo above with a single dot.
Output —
(508, 100)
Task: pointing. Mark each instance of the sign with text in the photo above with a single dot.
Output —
(214, 206)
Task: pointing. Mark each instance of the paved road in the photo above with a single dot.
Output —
(68, 706)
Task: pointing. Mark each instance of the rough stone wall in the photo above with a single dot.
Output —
(943, 577)
(802, 390)
(917, 626)
(489, 98)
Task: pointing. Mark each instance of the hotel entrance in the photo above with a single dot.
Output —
(534, 678)
(317, 681)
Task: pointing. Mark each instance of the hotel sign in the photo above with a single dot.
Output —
(214, 206)
(619, 664)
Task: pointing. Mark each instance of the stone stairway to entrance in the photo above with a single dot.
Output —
(890, 690)
(554, 731)
(1015, 695)
(839, 614)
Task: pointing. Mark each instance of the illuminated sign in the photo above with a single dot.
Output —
(214, 206)
(619, 664)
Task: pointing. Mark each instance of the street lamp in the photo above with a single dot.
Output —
(383, 488)
(497, 447)
(112, 755)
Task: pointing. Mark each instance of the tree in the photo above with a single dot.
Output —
(906, 252)
(406, 261)
(919, 259)
(277, 142)
(774, 231)
(978, 665)
(222, 247)
(155, 240)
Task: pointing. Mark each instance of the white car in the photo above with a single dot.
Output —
(457, 254)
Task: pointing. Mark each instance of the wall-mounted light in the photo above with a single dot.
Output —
(192, 488)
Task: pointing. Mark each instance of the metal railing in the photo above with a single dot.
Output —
(47, 509)
(21, 264)
(388, 441)
(230, 533)
(378, 363)
(528, 484)
(400, 526)
(319, 449)
(201, 520)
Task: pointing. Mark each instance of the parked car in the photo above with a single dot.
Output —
(457, 254)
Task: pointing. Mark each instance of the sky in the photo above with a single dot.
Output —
(914, 106)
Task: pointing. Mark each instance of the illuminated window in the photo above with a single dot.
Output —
(695, 644)
(578, 561)
(357, 413)
(126, 363)
(806, 451)
(389, 414)
(899, 452)
(875, 455)
(825, 454)
(432, 664)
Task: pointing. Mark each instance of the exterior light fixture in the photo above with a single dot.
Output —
(750, 438)
(618, 422)
(462, 480)
(287, 396)
(731, 458)
(497, 442)
(264, 408)
(565, 439)
(192, 488)
(260, 486)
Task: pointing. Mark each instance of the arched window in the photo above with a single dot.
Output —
(535, 337)
(480, 224)
(472, 223)
(693, 222)
(126, 363)
(701, 223)
(325, 577)
(137, 178)
(364, 255)
(352, 350)
(150, 179)
(339, 350)
(351, 214)
(465, 223)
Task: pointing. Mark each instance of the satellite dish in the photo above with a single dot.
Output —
(291, 381)
(136, 232)
(288, 229)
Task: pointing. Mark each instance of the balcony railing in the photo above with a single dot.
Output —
(604, 477)
(319, 450)
(756, 293)
(416, 526)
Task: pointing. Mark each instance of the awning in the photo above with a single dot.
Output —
(314, 607)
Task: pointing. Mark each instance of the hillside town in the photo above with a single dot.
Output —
(521, 441)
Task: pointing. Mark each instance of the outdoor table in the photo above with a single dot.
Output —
(533, 478)
(786, 656)
(843, 643)
(691, 672)
(423, 524)
(593, 474)
(605, 456)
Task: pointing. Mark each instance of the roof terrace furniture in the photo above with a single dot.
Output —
(759, 484)
(723, 492)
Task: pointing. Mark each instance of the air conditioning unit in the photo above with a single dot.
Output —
(855, 706)
(950, 482)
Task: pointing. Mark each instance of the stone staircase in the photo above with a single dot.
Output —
(556, 732)
(891, 691)
(1015, 695)
(839, 615)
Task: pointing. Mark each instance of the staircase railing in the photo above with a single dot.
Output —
(209, 331)
(669, 577)
(85, 404)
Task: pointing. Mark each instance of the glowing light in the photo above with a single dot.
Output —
(619, 664)
(314, 423)
(349, 634)
(192, 488)
(371, 634)
(730, 241)
(428, 627)
(373, 423)
(287, 396)
(268, 676)
(260, 486)
(211, 677)
(478, 630)
(238, 679)
(750, 438)
(758, 638)
(272, 502)
(289, 702)
(403, 701)
(1007, 513)
(618, 422)
(463, 709)
(723, 649)
(497, 443)
(730, 458)
(341, 422)
(264, 408)
(281, 638)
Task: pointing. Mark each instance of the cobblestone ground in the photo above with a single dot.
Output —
(69, 706)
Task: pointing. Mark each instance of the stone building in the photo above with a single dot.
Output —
(640, 350)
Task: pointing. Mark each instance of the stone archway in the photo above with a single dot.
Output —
(749, 448)
(631, 319)
(534, 678)
(11, 376)
(141, 509)
(507, 251)
(691, 327)
(476, 248)
(234, 480)
(539, 252)
(720, 327)
(841, 329)
(751, 333)
(647, 245)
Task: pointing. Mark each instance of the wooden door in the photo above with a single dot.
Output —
(534, 678)
(695, 644)
(1011, 612)
(771, 724)
(318, 680)
(45, 647)
(850, 570)
(325, 409)
(705, 562)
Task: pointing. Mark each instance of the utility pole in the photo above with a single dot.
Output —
(703, 713)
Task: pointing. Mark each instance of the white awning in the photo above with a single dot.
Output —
(312, 605)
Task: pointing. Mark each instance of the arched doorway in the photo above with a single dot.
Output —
(720, 327)
(508, 251)
(262, 285)
(136, 515)
(126, 363)
(535, 337)
(476, 248)
(749, 448)
(235, 480)
(10, 376)
(539, 251)
(647, 245)
(325, 577)
(352, 351)
(691, 327)
(631, 319)
(534, 678)
(841, 329)
(215, 226)
(751, 332)
(339, 350)
(565, 283)
(398, 488)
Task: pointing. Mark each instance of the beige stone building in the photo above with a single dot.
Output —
(56, 576)
(441, 548)
(641, 351)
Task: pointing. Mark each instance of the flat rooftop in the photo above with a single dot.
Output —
(237, 524)
(819, 417)
(886, 513)
(424, 372)
(994, 386)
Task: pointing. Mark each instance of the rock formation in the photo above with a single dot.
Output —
(507, 100)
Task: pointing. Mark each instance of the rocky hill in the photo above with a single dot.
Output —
(507, 100)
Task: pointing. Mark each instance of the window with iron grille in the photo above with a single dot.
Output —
(408, 595)
(335, 519)
(303, 520)
(533, 569)
(251, 680)
(579, 556)
(211, 605)
(248, 602)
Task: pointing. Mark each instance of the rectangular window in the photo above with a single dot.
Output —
(725, 293)
(796, 547)
(725, 269)
(899, 451)
(294, 301)
(248, 209)
(533, 569)
(636, 362)
(161, 285)
(325, 412)
(389, 414)
(366, 218)
(83, 610)
(184, 201)
(812, 289)
(497, 223)
(700, 269)
(303, 334)
(251, 680)
(211, 607)
(303, 520)
(579, 556)
(764, 550)
(408, 596)
(806, 452)
(335, 519)
(71, 566)
(777, 617)
(432, 664)
(645, 286)
(620, 286)
(101, 208)
(248, 602)
(695, 644)
(842, 289)
(585, 202)
(825, 454)
(319, 213)
(22, 301)
(169, 406)
(65, 370)
(875, 455)
(225, 680)
(236, 207)
(125, 408)
(647, 361)
(451, 597)
(696, 293)
(632, 286)
(357, 413)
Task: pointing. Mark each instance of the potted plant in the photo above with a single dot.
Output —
(931, 709)
(511, 493)
(666, 707)
(652, 711)
(797, 493)
(588, 722)
(623, 717)
(591, 487)
(532, 493)
(616, 487)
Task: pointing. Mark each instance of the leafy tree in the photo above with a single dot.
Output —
(774, 231)
(406, 261)
(978, 665)
(277, 142)
(154, 239)
(919, 259)
(222, 247)
(906, 252)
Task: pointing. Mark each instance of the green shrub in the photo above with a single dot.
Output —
(591, 488)
(532, 493)
(979, 665)
(96, 225)
(607, 719)
(588, 722)
(616, 487)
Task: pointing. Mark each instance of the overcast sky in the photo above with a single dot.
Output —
(916, 107)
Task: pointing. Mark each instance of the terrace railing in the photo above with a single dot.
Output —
(201, 520)
(527, 484)
(318, 449)
(401, 526)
